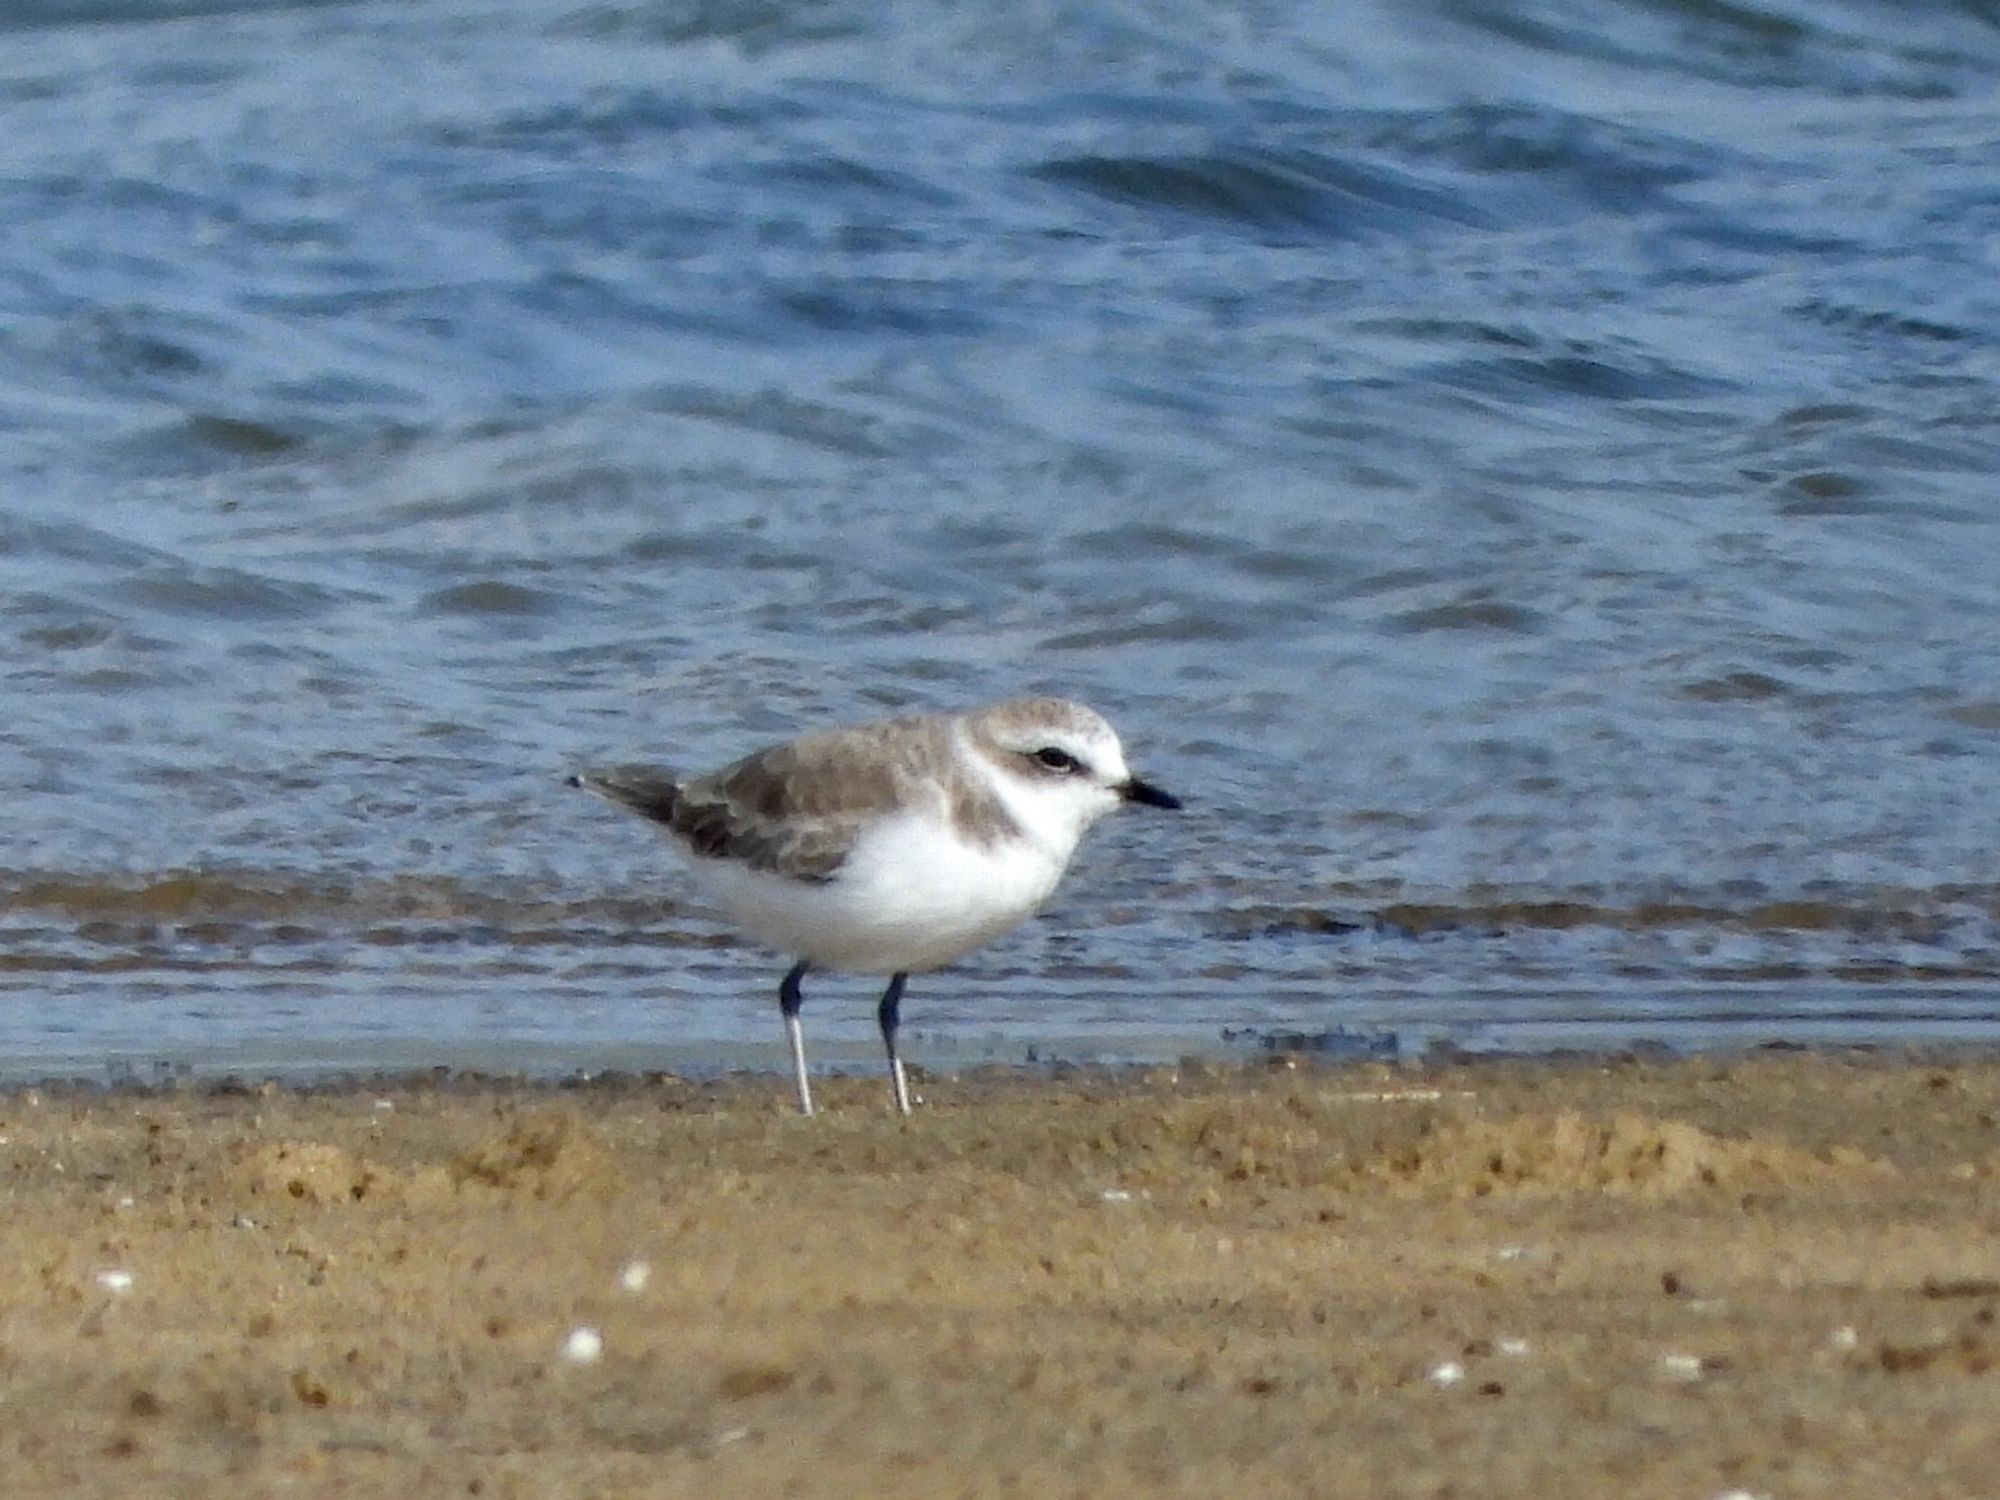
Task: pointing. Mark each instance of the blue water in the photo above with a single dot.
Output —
(1524, 471)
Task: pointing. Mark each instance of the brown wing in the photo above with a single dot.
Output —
(794, 809)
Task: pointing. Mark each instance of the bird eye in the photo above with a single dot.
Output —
(1054, 758)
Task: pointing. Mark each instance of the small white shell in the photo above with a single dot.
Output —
(1685, 1368)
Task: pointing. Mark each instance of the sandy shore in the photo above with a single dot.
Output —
(1774, 1275)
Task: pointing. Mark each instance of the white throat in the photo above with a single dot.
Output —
(1051, 821)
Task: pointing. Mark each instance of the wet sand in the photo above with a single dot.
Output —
(1775, 1275)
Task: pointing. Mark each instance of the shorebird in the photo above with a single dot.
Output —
(893, 847)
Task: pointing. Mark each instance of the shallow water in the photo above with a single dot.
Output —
(1523, 471)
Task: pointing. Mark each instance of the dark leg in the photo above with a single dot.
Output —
(790, 998)
(888, 1013)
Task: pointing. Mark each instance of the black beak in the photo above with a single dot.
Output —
(1147, 795)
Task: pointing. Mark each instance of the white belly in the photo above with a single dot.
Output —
(909, 898)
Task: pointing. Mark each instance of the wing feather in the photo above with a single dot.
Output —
(795, 809)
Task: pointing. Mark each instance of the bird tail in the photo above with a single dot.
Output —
(647, 790)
